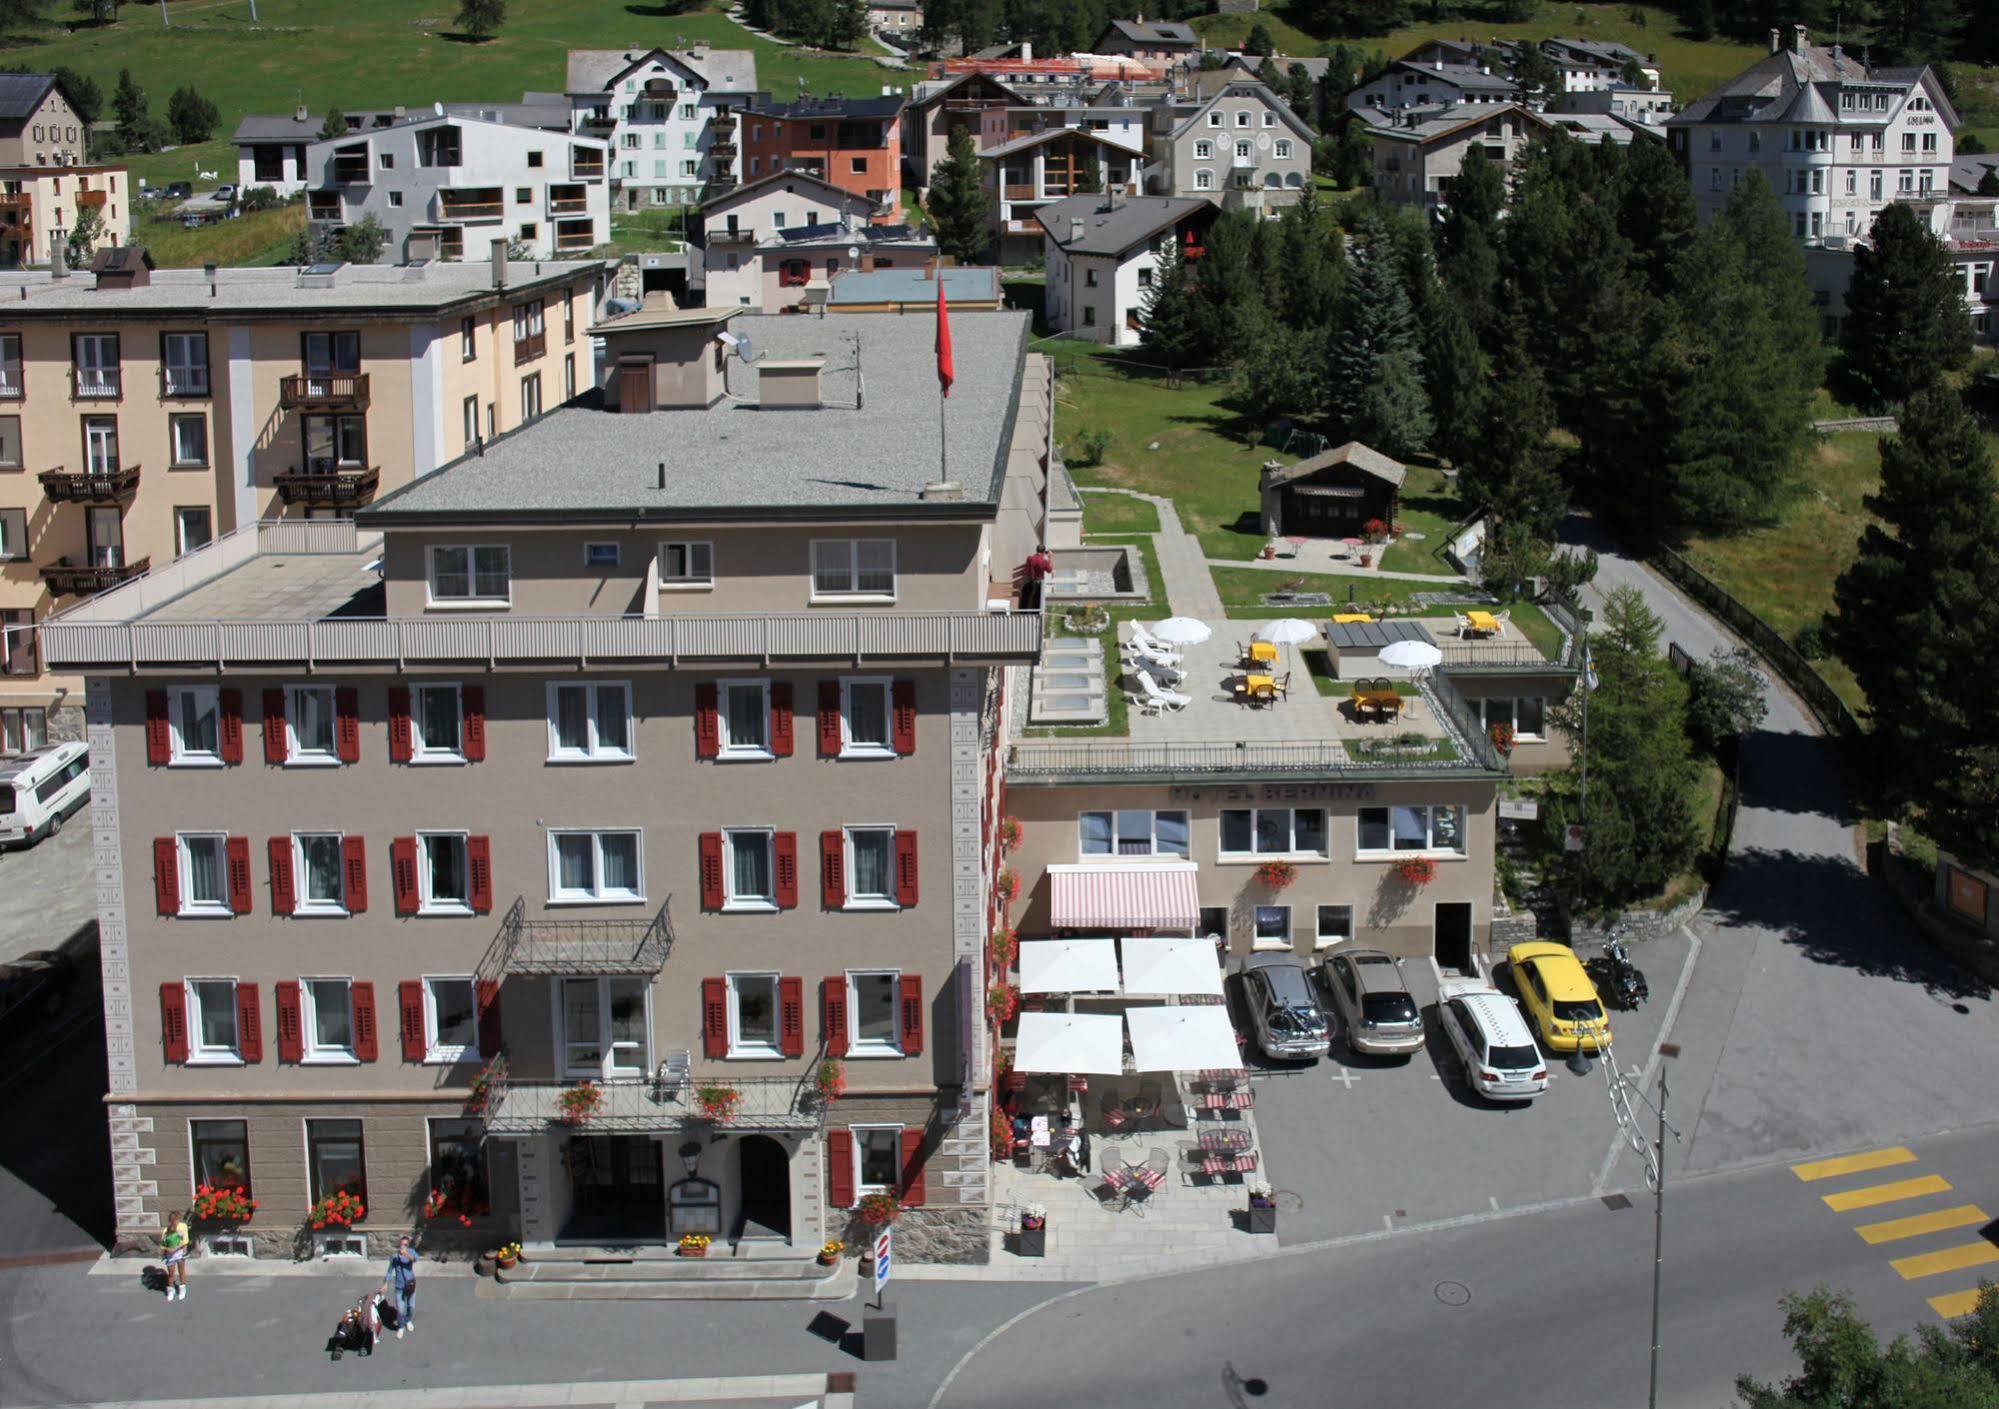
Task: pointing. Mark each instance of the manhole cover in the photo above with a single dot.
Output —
(1616, 1201)
(1453, 1293)
(1286, 1201)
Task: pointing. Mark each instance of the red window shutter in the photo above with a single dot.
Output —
(714, 1018)
(833, 1014)
(829, 719)
(784, 862)
(905, 868)
(840, 1168)
(367, 1044)
(479, 861)
(472, 728)
(275, 748)
(166, 875)
(399, 724)
(402, 873)
(902, 710)
(173, 1020)
(354, 873)
(159, 738)
(912, 1166)
(347, 724)
(237, 851)
(409, 1003)
(486, 993)
(912, 1015)
(833, 869)
(707, 721)
(291, 1031)
(229, 731)
(284, 896)
(780, 718)
(711, 871)
(249, 1024)
(791, 1016)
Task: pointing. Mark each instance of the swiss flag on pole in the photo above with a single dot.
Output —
(946, 373)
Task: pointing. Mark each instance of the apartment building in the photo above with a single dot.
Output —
(898, 21)
(1433, 82)
(1418, 154)
(1156, 40)
(669, 116)
(1597, 65)
(1027, 173)
(855, 143)
(755, 700)
(39, 204)
(271, 147)
(449, 186)
(998, 115)
(38, 127)
(1229, 140)
(144, 413)
(1102, 255)
(779, 241)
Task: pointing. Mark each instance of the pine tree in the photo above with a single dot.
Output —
(481, 19)
(192, 117)
(128, 100)
(1310, 263)
(1700, 20)
(1906, 323)
(1281, 373)
(1912, 611)
(1656, 214)
(1228, 291)
(1374, 366)
(1457, 373)
(1508, 466)
(1988, 184)
(1534, 71)
(1170, 323)
(334, 124)
(1259, 41)
(960, 207)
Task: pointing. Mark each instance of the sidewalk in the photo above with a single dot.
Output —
(1190, 587)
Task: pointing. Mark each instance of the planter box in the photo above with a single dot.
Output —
(1262, 1220)
(1034, 1242)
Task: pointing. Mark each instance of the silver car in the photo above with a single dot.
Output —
(1368, 993)
(1286, 1017)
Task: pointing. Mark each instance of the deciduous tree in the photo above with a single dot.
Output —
(1841, 1365)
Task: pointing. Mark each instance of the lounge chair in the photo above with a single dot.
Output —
(1167, 665)
(1169, 699)
(1152, 645)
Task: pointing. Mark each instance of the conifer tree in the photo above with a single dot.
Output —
(1508, 465)
(1906, 323)
(960, 206)
(1374, 366)
(1169, 323)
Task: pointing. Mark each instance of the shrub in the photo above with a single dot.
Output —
(1092, 444)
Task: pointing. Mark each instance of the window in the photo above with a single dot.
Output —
(531, 396)
(221, 1151)
(853, 567)
(1242, 119)
(595, 866)
(1283, 148)
(1203, 180)
(864, 719)
(604, 1026)
(388, 160)
(13, 535)
(184, 364)
(568, 376)
(748, 875)
(330, 354)
(873, 1027)
(1269, 119)
(195, 724)
(877, 1158)
(436, 724)
(450, 1020)
(1132, 833)
(1089, 278)
(395, 199)
(211, 1020)
(1274, 831)
(686, 565)
(1203, 150)
(744, 718)
(189, 439)
(589, 723)
(1242, 151)
(458, 1164)
(527, 329)
(1422, 828)
(1526, 717)
(468, 342)
(1852, 183)
(443, 874)
(203, 870)
(335, 442)
(327, 1015)
(870, 868)
(475, 574)
(1908, 141)
(530, 232)
(1089, 317)
(10, 440)
(333, 1160)
(1335, 924)
(1214, 119)
(753, 1015)
(100, 445)
(1145, 278)
(1273, 927)
(96, 364)
(319, 877)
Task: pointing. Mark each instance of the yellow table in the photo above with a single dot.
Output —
(1484, 622)
(1380, 701)
(1263, 650)
(1260, 687)
(1345, 617)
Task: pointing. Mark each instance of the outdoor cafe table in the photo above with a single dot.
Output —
(1485, 623)
(1263, 651)
(1381, 701)
(1344, 618)
(1225, 1141)
(1259, 687)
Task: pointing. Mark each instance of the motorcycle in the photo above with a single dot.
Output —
(1621, 982)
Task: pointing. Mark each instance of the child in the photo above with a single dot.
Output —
(173, 1242)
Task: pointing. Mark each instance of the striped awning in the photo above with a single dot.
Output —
(1159, 896)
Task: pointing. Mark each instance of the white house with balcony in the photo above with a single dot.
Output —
(669, 116)
(447, 186)
(1103, 253)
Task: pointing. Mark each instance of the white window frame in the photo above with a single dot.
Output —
(1261, 941)
(434, 1052)
(180, 755)
(751, 903)
(1152, 815)
(597, 895)
(739, 1050)
(1214, 119)
(729, 751)
(308, 1009)
(174, 424)
(198, 1054)
(1204, 180)
(301, 905)
(1283, 149)
(870, 1048)
(1204, 151)
(427, 904)
(1512, 719)
(850, 548)
(605, 1069)
(472, 597)
(688, 582)
(1291, 853)
(849, 746)
(868, 902)
(1320, 939)
(296, 754)
(594, 751)
(1429, 831)
(861, 1190)
(421, 752)
(190, 908)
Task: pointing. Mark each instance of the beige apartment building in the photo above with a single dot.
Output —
(40, 207)
(145, 413)
(526, 845)
(38, 127)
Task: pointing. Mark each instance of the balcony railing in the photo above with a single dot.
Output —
(565, 945)
(470, 210)
(568, 205)
(97, 383)
(90, 487)
(652, 1105)
(16, 200)
(92, 197)
(530, 347)
(324, 391)
(67, 579)
(350, 173)
(328, 489)
(574, 241)
(584, 169)
(12, 388)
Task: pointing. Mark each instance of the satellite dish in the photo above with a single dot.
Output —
(437, 109)
(744, 350)
(853, 251)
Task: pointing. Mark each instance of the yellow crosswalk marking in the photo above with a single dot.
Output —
(1956, 1259)
(1887, 1193)
(1854, 1164)
(1952, 1304)
(1914, 1226)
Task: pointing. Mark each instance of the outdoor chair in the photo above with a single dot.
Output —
(1150, 644)
(1164, 662)
(1463, 624)
(1169, 699)
(1284, 687)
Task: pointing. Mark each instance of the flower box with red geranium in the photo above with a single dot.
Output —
(1004, 947)
(341, 1210)
(1502, 737)
(1374, 530)
(877, 1209)
(1417, 870)
(830, 1080)
(481, 1090)
(448, 1203)
(578, 1103)
(1009, 833)
(222, 1205)
(1275, 875)
(1002, 1002)
(1006, 885)
(717, 1103)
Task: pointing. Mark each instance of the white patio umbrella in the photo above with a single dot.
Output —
(1411, 655)
(1287, 631)
(1182, 1039)
(1068, 966)
(1181, 631)
(1166, 964)
(1070, 1044)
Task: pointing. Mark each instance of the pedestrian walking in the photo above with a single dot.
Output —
(402, 1277)
(173, 1244)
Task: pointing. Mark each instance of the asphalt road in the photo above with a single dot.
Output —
(54, 904)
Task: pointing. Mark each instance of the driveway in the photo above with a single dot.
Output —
(50, 899)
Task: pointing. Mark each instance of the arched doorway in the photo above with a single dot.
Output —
(766, 1188)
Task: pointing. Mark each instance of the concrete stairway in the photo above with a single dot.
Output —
(660, 1274)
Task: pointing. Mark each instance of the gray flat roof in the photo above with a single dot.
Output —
(353, 287)
(734, 460)
(907, 285)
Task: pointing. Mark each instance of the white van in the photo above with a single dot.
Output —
(38, 792)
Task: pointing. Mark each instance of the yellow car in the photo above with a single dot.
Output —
(1559, 996)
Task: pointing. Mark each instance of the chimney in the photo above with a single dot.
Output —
(1799, 37)
(299, 114)
(662, 474)
(1776, 39)
(1075, 231)
(401, 112)
(58, 253)
(499, 264)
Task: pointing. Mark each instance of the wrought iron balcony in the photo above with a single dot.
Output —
(97, 383)
(658, 1104)
(324, 489)
(91, 486)
(324, 391)
(67, 579)
(578, 946)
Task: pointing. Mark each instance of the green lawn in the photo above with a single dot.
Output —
(261, 238)
(1428, 507)
(1118, 513)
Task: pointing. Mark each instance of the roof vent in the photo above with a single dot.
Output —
(942, 491)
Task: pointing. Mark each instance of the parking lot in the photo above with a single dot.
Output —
(1363, 1143)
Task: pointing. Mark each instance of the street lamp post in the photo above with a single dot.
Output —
(1658, 1237)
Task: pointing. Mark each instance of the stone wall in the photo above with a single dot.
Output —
(932, 1234)
(65, 723)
